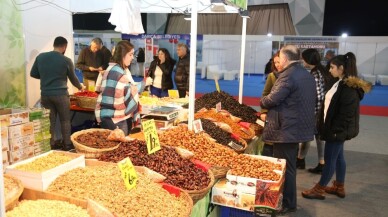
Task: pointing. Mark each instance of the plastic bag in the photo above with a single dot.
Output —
(117, 135)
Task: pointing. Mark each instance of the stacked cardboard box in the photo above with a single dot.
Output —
(41, 123)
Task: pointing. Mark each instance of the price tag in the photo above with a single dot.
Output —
(217, 85)
(173, 94)
(151, 136)
(197, 126)
(128, 173)
(218, 107)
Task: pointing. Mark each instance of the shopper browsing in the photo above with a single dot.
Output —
(161, 73)
(339, 122)
(290, 118)
(182, 72)
(53, 69)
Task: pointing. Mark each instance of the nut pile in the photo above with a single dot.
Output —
(204, 149)
(96, 139)
(218, 155)
(209, 100)
(178, 171)
(47, 208)
(104, 185)
(44, 163)
(222, 137)
(236, 128)
(247, 166)
(11, 187)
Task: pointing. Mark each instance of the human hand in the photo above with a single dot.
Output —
(99, 68)
(83, 87)
(134, 90)
(263, 116)
(92, 69)
(149, 81)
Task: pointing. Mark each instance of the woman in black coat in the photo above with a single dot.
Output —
(161, 73)
(339, 122)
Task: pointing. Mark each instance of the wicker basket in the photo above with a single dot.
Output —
(88, 151)
(87, 102)
(189, 202)
(199, 194)
(11, 202)
(219, 172)
(241, 151)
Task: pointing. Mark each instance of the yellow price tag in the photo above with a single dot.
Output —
(151, 136)
(173, 94)
(217, 85)
(128, 173)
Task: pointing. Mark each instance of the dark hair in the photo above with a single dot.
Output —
(312, 57)
(122, 48)
(166, 53)
(348, 61)
(60, 41)
(291, 52)
(273, 67)
(97, 41)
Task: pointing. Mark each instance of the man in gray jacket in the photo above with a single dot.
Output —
(290, 119)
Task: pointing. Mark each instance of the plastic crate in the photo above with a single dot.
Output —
(232, 212)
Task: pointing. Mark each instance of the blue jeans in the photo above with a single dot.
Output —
(334, 162)
(158, 92)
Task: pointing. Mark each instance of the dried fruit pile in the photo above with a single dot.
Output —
(218, 155)
(96, 139)
(178, 171)
(104, 185)
(209, 100)
(87, 94)
(222, 137)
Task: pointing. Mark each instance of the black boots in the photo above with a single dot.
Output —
(318, 169)
(300, 163)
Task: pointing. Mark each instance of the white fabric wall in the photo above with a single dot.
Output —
(41, 24)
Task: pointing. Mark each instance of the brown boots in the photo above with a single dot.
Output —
(337, 189)
(318, 192)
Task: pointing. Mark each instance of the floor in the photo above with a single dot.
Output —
(366, 177)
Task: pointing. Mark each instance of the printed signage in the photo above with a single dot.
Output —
(197, 126)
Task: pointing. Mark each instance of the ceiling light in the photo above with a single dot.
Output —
(344, 35)
(269, 34)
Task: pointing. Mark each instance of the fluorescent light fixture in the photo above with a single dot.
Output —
(269, 34)
(187, 17)
(243, 13)
(344, 35)
(217, 2)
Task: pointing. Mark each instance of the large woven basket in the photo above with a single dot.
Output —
(86, 102)
(241, 151)
(199, 194)
(88, 151)
(12, 201)
(189, 202)
(219, 172)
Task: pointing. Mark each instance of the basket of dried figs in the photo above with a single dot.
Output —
(13, 189)
(94, 142)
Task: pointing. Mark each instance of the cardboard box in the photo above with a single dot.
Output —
(4, 139)
(21, 154)
(20, 130)
(40, 181)
(231, 197)
(21, 142)
(247, 184)
(10, 117)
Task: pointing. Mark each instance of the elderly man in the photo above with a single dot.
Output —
(182, 70)
(290, 118)
(91, 62)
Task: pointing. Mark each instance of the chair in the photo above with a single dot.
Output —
(213, 71)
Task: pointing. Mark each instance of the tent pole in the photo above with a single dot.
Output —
(242, 64)
(193, 60)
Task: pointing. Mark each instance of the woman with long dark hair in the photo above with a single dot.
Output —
(339, 122)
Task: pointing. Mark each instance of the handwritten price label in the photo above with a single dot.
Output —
(197, 126)
(173, 94)
(151, 136)
(128, 173)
